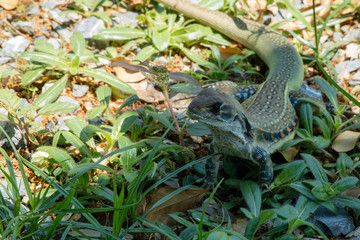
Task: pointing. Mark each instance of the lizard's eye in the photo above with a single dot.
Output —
(215, 108)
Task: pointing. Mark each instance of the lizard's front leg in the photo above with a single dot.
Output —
(211, 169)
(262, 157)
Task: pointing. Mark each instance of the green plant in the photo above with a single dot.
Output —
(5, 73)
(24, 117)
(59, 62)
(88, 8)
(164, 31)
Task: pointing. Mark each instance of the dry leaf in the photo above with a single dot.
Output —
(128, 75)
(239, 225)
(257, 5)
(179, 203)
(352, 193)
(226, 52)
(9, 4)
(290, 153)
(345, 141)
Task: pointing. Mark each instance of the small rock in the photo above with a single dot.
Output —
(51, 4)
(11, 66)
(80, 90)
(103, 61)
(351, 65)
(61, 123)
(299, 4)
(55, 42)
(88, 105)
(323, 39)
(356, 76)
(43, 29)
(97, 121)
(162, 60)
(195, 68)
(50, 126)
(126, 19)
(34, 11)
(46, 87)
(25, 27)
(24, 103)
(89, 27)
(352, 51)
(353, 35)
(338, 36)
(15, 135)
(345, 28)
(62, 31)
(327, 44)
(66, 19)
(19, 183)
(339, 56)
(354, 82)
(14, 46)
(311, 92)
(67, 100)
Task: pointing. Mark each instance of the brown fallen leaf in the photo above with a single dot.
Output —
(128, 75)
(290, 153)
(9, 4)
(352, 192)
(345, 141)
(179, 203)
(240, 225)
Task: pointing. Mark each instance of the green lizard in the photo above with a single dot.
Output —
(266, 119)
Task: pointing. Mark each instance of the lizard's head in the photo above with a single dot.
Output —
(218, 110)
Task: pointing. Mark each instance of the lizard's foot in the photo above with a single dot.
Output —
(206, 182)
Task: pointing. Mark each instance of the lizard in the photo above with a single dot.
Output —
(266, 119)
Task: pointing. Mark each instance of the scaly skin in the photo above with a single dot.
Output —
(266, 120)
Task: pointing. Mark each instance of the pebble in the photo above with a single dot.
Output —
(13, 47)
(46, 86)
(89, 27)
(19, 183)
(55, 42)
(345, 28)
(63, 32)
(339, 55)
(323, 39)
(43, 29)
(103, 61)
(49, 5)
(356, 76)
(310, 91)
(66, 99)
(354, 82)
(161, 60)
(61, 123)
(65, 19)
(79, 90)
(14, 134)
(351, 65)
(125, 19)
(97, 121)
(25, 27)
(338, 36)
(352, 51)
(327, 44)
(353, 35)
(34, 11)
(197, 69)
